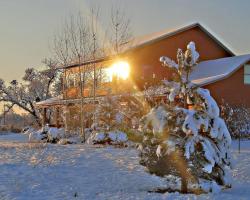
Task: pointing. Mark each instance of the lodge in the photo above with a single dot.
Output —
(137, 67)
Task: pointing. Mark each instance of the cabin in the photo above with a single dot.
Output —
(137, 67)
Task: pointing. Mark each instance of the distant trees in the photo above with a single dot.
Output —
(37, 85)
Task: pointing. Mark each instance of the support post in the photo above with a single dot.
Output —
(239, 141)
(4, 115)
(44, 116)
(57, 117)
(82, 103)
(66, 112)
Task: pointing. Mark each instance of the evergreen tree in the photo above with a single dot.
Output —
(186, 137)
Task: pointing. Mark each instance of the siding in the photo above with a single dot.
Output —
(145, 60)
(232, 89)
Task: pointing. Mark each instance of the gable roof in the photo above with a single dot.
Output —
(211, 71)
(142, 41)
(158, 36)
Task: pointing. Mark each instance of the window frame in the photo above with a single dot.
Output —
(246, 74)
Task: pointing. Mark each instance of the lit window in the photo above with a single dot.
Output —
(247, 74)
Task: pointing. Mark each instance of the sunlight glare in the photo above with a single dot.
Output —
(120, 69)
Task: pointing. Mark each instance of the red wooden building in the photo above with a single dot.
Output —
(226, 75)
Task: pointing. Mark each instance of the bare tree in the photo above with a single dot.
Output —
(120, 28)
(36, 86)
(94, 47)
(79, 45)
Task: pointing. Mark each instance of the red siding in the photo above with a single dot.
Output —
(145, 60)
(232, 89)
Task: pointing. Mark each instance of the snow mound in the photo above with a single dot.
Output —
(118, 136)
(49, 134)
(55, 134)
(37, 136)
(112, 137)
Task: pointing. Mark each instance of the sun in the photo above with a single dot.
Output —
(120, 69)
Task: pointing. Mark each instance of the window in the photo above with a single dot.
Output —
(247, 74)
(106, 76)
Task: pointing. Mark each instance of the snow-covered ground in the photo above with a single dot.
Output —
(48, 171)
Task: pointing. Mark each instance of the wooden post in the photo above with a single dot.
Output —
(239, 142)
(4, 115)
(82, 103)
(66, 118)
(44, 116)
(57, 117)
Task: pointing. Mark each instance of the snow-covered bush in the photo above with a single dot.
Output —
(237, 119)
(37, 136)
(186, 138)
(46, 134)
(55, 134)
(112, 137)
(114, 113)
(118, 137)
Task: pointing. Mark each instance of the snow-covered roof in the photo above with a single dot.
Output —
(157, 36)
(51, 101)
(210, 71)
(58, 101)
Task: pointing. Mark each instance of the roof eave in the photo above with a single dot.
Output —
(227, 75)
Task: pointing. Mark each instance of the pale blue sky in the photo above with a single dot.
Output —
(26, 26)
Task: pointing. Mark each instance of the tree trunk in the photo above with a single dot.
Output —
(184, 188)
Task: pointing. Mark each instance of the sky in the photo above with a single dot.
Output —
(28, 26)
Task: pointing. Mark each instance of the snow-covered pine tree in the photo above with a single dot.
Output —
(186, 138)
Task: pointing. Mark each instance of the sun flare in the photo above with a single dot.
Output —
(120, 69)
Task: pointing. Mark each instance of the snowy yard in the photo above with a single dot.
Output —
(46, 171)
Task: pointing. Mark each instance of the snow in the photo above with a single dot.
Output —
(210, 71)
(212, 107)
(116, 137)
(99, 137)
(157, 118)
(51, 101)
(13, 137)
(36, 136)
(195, 54)
(55, 133)
(206, 186)
(46, 171)
(169, 62)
